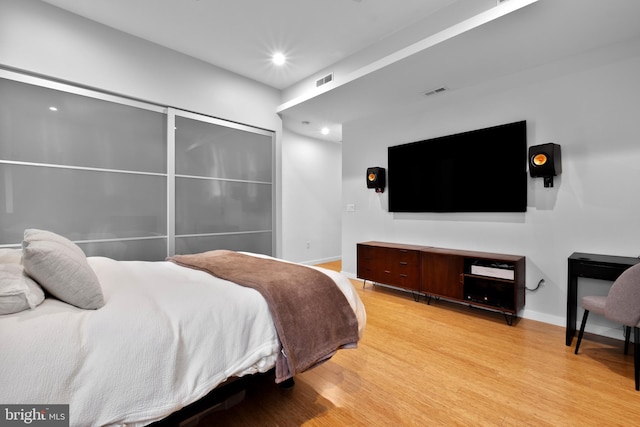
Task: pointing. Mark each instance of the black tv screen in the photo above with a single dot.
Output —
(483, 170)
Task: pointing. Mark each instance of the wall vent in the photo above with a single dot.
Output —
(436, 91)
(324, 80)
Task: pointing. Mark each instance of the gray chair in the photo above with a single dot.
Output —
(621, 305)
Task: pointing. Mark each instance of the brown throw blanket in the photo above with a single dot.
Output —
(312, 316)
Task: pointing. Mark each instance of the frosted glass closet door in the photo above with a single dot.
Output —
(82, 165)
(223, 186)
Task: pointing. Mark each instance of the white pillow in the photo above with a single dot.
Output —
(61, 268)
(18, 291)
(10, 256)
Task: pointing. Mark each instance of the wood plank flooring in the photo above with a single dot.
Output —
(446, 364)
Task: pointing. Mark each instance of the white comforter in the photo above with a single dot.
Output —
(166, 336)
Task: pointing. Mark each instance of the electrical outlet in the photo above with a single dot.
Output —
(308, 245)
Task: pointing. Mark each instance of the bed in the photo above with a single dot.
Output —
(162, 337)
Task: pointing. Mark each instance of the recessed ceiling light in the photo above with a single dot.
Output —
(278, 58)
(52, 108)
(325, 131)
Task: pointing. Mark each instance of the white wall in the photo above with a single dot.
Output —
(43, 39)
(588, 104)
(311, 180)
(38, 38)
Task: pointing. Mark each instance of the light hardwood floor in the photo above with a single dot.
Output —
(446, 364)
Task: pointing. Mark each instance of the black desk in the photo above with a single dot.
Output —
(593, 266)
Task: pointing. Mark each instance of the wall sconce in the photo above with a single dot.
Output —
(544, 161)
(376, 178)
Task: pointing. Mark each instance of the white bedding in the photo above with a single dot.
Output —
(166, 336)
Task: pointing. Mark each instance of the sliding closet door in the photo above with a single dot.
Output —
(223, 186)
(83, 164)
(126, 179)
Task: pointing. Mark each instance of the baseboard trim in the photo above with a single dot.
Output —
(320, 261)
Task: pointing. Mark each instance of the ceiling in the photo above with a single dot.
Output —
(241, 35)
(384, 53)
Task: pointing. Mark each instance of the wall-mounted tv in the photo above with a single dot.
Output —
(483, 170)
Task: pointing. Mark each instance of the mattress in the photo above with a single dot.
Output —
(166, 336)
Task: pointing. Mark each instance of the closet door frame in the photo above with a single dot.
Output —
(169, 174)
(174, 113)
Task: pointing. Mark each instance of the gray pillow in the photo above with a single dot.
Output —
(61, 268)
(18, 291)
(33, 234)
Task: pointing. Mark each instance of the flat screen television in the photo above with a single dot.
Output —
(483, 170)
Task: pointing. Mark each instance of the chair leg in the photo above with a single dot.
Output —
(636, 355)
(627, 336)
(584, 322)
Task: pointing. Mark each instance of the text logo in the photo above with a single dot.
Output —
(36, 415)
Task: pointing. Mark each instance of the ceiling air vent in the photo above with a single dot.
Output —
(324, 80)
(436, 91)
